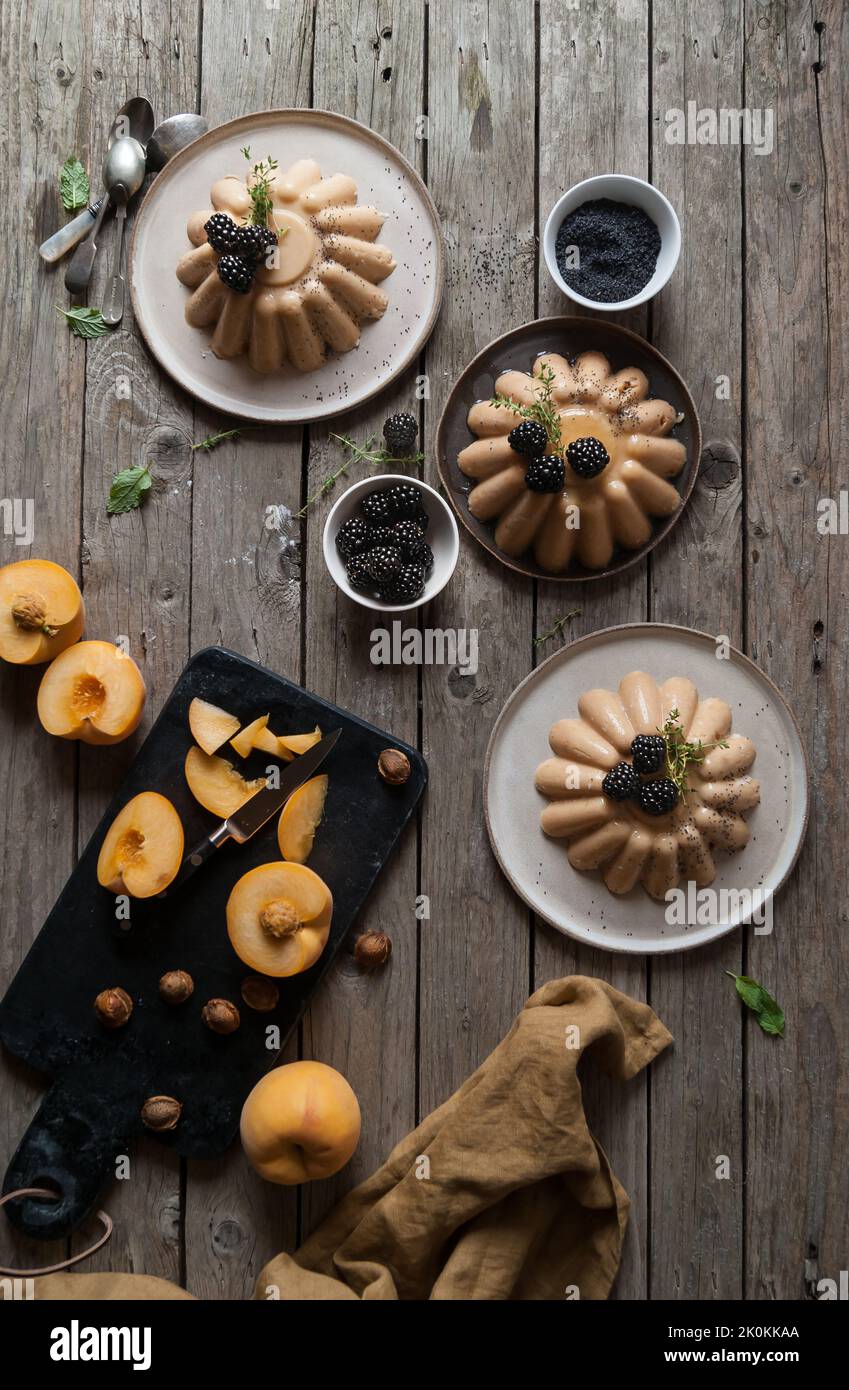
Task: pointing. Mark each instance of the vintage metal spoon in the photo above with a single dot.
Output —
(123, 174)
(173, 135)
(135, 118)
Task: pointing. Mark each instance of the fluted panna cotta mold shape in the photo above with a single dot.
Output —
(585, 520)
(320, 286)
(618, 837)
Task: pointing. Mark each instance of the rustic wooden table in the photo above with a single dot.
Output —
(501, 105)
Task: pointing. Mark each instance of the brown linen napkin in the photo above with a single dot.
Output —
(501, 1193)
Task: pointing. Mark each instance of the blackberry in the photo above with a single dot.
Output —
(400, 432)
(406, 587)
(649, 753)
(249, 244)
(407, 535)
(529, 439)
(621, 782)
(405, 501)
(358, 574)
(353, 537)
(270, 242)
(381, 535)
(377, 507)
(421, 555)
(545, 474)
(235, 274)
(658, 797)
(587, 457)
(383, 563)
(220, 230)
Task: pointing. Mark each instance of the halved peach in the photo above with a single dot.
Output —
(278, 918)
(143, 849)
(216, 784)
(299, 820)
(92, 691)
(210, 726)
(41, 611)
(299, 743)
(255, 735)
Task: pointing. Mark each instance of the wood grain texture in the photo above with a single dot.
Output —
(246, 594)
(475, 946)
(369, 64)
(593, 64)
(796, 216)
(696, 579)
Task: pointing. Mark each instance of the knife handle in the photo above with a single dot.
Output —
(196, 857)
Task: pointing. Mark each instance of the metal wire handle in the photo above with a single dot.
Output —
(63, 1264)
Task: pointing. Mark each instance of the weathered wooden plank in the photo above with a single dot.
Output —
(593, 102)
(42, 122)
(369, 64)
(480, 159)
(245, 595)
(136, 568)
(798, 373)
(696, 579)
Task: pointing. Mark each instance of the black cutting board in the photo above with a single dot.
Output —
(101, 1078)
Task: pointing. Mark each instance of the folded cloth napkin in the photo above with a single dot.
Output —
(501, 1193)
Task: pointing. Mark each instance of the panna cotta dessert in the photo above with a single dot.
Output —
(284, 266)
(572, 460)
(647, 782)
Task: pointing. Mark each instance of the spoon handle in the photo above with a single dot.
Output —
(81, 264)
(57, 245)
(113, 308)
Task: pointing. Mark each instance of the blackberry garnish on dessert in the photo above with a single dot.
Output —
(353, 537)
(236, 274)
(545, 474)
(616, 434)
(648, 753)
(400, 432)
(679, 818)
(318, 288)
(529, 439)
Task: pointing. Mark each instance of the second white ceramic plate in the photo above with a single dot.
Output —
(579, 904)
(411, 231)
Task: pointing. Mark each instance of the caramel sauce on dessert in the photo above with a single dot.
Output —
(614, 834)
(588, 516)
(321, 282)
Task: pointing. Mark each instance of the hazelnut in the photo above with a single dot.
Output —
(113, 1007)
(161, 1112)
(260, 994)
(221, 1016)
(280, 918)
(29, 612)
(372, 948)
(394, 767)
(176, 986)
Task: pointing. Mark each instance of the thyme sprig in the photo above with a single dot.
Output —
(681, 755)
(358, 453)
(259, 190)
(543, 409)
(558, 627)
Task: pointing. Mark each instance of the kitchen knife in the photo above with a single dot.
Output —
(258, 809)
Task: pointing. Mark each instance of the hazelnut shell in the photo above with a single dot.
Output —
(161, 1113)
(176, 986)
(221, 1016)
(372, 949)
(394, 767)
(113, 1007)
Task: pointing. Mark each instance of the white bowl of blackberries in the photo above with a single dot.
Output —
(611, 242)
(391, 543)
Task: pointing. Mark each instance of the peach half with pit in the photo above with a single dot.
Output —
(278, 918)
(94, 692)
(41, 611)
(143, 848)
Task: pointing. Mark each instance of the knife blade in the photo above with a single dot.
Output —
(258, 809)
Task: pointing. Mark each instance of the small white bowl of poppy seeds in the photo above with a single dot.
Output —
(611, 242)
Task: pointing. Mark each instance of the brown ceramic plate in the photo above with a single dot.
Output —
(386, 348)
(517, 350)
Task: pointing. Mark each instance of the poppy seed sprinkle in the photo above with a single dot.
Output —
(617, 245)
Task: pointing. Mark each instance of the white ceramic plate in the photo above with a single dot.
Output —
(386, 348)
(579, 904)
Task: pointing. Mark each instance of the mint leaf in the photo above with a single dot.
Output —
(767, 1011)
(84, 322)
(74, 187)
(128, 489)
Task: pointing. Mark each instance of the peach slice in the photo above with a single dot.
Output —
(255, 735)
(278, 918)
(216, 784)
(92, 691)
(143, 849)
(210, 726)
(295, 744)
(299, 820)
(41, 611)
